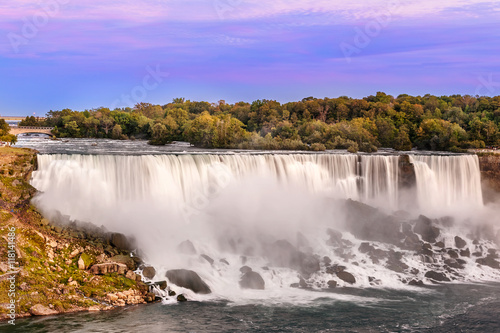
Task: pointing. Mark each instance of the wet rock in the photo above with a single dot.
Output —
(440, 277)
(224, 261)
(110, 267)
(150, 297)
(186, 247)
(327, 261)
(488, 261)
(181, 298)
(347, 277)
(332, 284)
(149, 272)
(294, 285)
(188, 279)
(427, 250)
(453, 263)
(171, 293)
(366, 248)
(394, 262)
(425, 228)
(412, 242)
(162, 285)
(440, 244)
(416, 283)
(121, 242)
(459, 242)
(453, 254)
(407, 176)
(207, 258)
(126, 260)
(303, 283)
(334, 269)
(465, 253)
(40, 310)
(252, 280)
(245, 269)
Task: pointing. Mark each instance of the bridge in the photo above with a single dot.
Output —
(30, 129)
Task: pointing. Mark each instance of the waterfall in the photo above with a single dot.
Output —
(109, 181)
(235, 207)
(448, 182)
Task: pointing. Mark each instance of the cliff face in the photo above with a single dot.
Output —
(490, 175)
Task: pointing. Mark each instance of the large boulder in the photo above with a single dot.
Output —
(440, 277)
(489, 261)
(109, 267)
(122, 242)
(149, 272)
(346, 277)
(252, 280)
(40, 310)
(126, 260)
(424, 226)
(188, 279)
(459, 242)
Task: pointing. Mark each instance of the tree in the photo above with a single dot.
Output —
(117, 132)
(5, 136)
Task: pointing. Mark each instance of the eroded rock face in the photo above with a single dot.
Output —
(188, 279)
(252, 280)
(109, 267)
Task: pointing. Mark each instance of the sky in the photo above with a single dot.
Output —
(57, 54)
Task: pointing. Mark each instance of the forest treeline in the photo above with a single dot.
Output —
(426, 122)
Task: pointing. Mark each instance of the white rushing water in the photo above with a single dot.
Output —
(232, 205)
(448, 182)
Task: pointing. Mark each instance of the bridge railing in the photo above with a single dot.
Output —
(34, 127)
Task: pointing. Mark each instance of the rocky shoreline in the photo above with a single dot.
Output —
(57, 269)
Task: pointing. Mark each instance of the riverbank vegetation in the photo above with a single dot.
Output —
(5, 136)
(426, 122)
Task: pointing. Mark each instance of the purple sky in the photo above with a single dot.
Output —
(58, 54)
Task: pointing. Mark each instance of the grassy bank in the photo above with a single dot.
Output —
(49, 264)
